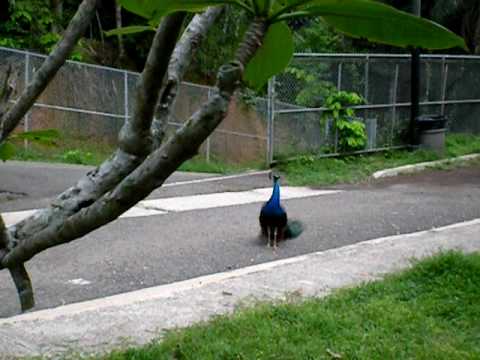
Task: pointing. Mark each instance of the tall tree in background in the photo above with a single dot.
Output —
(460, 16)
(57, 9)
(118, 21)
(144, 159)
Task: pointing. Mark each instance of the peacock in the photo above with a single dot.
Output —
(274, 222)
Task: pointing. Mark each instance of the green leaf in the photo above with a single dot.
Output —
(144, 8)
(155, 9)
(44, 137)
(7, 151)
(380, 23)
(272, 57)
(129, 30)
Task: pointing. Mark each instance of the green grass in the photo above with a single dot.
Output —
(308, 170)
(431, 311)
(461, 144)
(85, 152)
(70, 151)
(305, 171)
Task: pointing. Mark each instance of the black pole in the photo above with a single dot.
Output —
(415, 83)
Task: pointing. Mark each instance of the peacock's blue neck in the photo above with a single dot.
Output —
(275, 198)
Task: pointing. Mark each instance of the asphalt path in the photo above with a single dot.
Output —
(134, 253)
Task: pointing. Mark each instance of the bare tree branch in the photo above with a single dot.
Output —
(105, 177)
(476, 38)
(7, 89)
(136, 186)
(18, 273)
(118, 23)
(23, 284)
(252, 41)
(152, 172)
(179, 62)
(49, 68)
(135, 135)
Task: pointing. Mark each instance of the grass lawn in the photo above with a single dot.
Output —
(310, 171)
(307, 170)
(431, 311)
(85, 152)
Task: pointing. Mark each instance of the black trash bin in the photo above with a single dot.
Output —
(432, 132)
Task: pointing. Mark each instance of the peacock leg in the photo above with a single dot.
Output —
(275, 238)
(268, 236)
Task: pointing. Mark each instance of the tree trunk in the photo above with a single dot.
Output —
(476, 38)
(118, 21)
(57, 8)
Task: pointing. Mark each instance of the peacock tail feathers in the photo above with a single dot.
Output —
(294, 229)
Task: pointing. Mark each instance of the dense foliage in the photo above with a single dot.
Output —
(37, 25)
(349, 133)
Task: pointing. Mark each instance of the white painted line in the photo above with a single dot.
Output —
(197, 202)
(14, 217)
(140, 211)
(79, 281)
(208, 201)
(294, 192)
(217, 178)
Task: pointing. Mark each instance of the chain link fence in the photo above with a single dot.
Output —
(88, 103)
(449, 86)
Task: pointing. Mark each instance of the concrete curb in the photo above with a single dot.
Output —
(409, 169)
(140, 316)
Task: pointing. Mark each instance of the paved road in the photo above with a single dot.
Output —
(141, 252)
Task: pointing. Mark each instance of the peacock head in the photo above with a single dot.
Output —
(273, 176)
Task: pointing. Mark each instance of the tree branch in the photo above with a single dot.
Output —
(151, 173)
(135, 137)
(252, 41)
(49, 68)
(7, 89)
(18, 273)
(148, 176)
(105, 177)
(179, 62)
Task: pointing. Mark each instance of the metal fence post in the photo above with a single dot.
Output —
(207, 143)
(367, 77)
(26, 118)
(339, 76)
(125, 95)
(270, 119)
(394, 101)
(444, 84)
(367, 83)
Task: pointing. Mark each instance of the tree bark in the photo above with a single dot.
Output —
(57, 8)
(118, 22)
(135, 137)
(19, 274)
(7, 89)
(476, 38)
(252, 41)
(143, 180)
(179, 62)
(49, 68)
